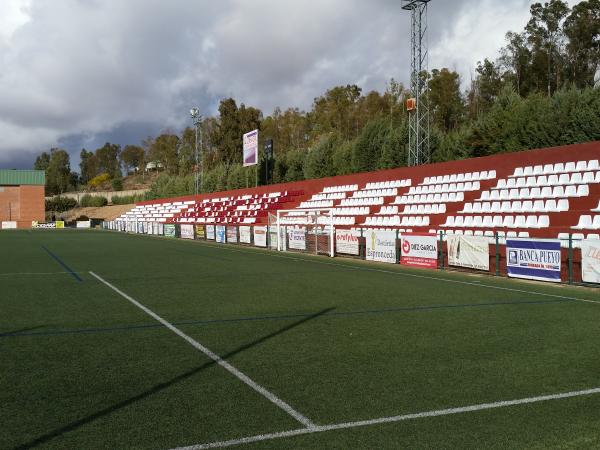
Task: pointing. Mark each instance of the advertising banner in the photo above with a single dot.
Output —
(84, 224)
(161, 229)
(169, 230)
(468, 251)
(381, 246)
(9, 225)
(533, 259)
(346, 241)
(590, 261)
(36, 224)
(419, 250)
(232, 235)
(59, 224)
(260, 236)
(187, 231)
(210, 232)
(250, 141)
(245, 235)
(296, 239)
(200, 234)
(220, 234)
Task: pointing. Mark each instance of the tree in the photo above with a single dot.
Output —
(545, 34)
(107, 158)
(132, 157)
(164, 149)
(335, 110)
(88, 166)
(582, 28)
(446, 103)
(58, 173)
(42, 162)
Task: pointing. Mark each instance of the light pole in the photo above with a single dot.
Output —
(197, 120)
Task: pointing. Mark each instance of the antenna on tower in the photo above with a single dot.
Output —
(418, 105)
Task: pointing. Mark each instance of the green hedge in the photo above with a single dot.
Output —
(126, 199)
(93, 200)
(60, 204)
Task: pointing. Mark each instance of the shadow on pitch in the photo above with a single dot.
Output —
(161, 386)
(17, 332)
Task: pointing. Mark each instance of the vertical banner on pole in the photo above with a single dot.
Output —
(250, 141)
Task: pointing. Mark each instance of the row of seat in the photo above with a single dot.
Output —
(395, 221)
(425, 209)
(344, 188)
(330, 196)
(547, 169)
(389, 192)
(520, 221)
(564, 179)
(582, 190)
(389, 184)
(369, 201)
(528, 206)
(452, 197)
(460, 177)
(316, 204)
(587, 222)
(448, 187)
(355, 211)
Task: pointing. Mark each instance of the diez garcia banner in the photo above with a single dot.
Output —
(187, 231)
(297, 239)
(381, 246)
(346, 241)
(590, 261)
(468, 251)
(260, 236)
(533, 259)
(220, 233)
(250, 148)
(419, 250)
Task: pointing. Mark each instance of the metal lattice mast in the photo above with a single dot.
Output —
(418, 140)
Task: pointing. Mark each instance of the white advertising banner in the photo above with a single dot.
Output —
(346, 241)
(9, 225)
(187, 231)
(210, 232)
(590, 261)
(381, 246)
(220, 232)
(419, 250)
(84, 224)
(260, 236)
(250, 141)
(245, 235)
(296, 239)
(468, 251)
(232, 235)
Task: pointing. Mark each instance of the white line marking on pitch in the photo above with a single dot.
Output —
(363, 423)
(216, 358)
(393, 272)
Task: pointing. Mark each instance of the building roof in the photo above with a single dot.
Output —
(18, 177)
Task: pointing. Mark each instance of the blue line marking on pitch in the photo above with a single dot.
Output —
(62, 263)
(282, 317)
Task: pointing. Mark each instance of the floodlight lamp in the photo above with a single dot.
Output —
(194, 112)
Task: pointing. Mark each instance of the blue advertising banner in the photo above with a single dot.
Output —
(533, 259)
(220, 233)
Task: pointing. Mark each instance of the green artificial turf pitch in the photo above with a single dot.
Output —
(338, 340)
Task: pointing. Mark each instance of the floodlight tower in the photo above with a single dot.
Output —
(418, 105)
(197, 120)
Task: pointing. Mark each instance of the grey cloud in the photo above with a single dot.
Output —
(81, 71)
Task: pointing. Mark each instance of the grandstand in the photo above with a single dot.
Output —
(546, 193)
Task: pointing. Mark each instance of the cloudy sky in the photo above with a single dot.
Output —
(78, 73)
